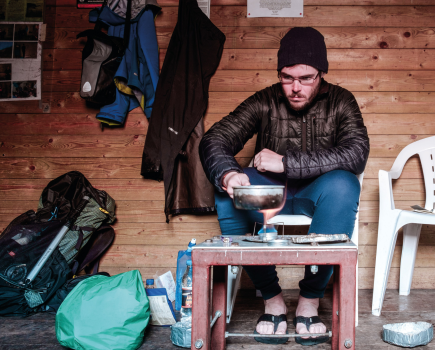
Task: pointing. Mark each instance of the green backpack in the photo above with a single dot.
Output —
(104, 313)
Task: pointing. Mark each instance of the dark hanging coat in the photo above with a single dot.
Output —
(176, 125)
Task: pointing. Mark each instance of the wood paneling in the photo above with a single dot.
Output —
(147, 211)
(86, 124)
(269, 37)
(384, 102)
(134, 189)
(328, 16)
(131, 146)
(72, 3)
(128, 168)
(383, 51)
(349, 59)
(254, 80)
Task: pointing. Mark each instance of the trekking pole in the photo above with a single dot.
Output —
(53, 245)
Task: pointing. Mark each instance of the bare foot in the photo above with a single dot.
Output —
(308, 307)
(274, 306)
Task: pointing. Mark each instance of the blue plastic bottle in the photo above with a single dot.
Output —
(183, 257)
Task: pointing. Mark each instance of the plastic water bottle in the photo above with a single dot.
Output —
(183, 257)
(181, 332)
(186, 300)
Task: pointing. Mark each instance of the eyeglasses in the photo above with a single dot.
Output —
(287, 79)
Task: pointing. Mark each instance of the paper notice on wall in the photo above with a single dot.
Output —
(161, 314)
(204, 5)
(275, 8)
(20, 61)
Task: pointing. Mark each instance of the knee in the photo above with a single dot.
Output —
(343, 185)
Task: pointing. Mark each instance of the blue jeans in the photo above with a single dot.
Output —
(330, 199)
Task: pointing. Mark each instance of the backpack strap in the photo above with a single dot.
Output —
(127, 24)
(98, 23)
(89, 257)
(81, 234)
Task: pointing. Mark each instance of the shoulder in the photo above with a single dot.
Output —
(337, 92)
(264, 97)
(269, 95)
(270, 91)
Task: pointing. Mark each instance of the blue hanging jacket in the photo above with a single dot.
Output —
(138, 72)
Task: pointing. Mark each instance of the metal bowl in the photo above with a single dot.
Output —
(278, 242)
(258, 197)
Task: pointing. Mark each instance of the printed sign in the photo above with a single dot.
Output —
(275, 8)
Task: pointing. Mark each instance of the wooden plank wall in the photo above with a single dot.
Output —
(381, 50)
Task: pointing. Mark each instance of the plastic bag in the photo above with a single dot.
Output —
(104, 313)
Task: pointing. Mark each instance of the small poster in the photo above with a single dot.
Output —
(20, 61)
(21, 10)
(275, 8)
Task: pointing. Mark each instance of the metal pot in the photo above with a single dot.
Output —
(258, 197)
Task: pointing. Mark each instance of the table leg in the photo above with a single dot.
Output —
(335, 306)
(219, 304)
(346, 335)
(200, 307)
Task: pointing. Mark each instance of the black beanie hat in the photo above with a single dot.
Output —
(303, 45)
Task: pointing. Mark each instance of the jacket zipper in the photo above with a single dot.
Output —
(313, 133)
(304, 134)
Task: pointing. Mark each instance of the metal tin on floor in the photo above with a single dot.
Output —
(409, 334)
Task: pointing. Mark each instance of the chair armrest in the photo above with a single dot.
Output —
(399, 163)
(386, 198)
(408, 152)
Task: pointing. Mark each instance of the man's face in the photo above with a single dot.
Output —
(300, 96)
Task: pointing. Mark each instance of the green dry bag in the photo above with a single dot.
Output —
(104, 313)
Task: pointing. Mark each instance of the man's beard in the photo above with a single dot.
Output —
(311, 97)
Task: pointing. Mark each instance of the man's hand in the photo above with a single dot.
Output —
(267, 160)
(234, 178)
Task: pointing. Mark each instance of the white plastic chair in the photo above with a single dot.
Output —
(392, 219)
(299, 220)
(289, 220)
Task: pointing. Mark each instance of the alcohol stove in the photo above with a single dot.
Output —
(263, 198)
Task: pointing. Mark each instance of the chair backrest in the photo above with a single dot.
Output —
(427, 159)
(425, 148)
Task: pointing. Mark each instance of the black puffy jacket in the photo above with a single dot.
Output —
(330, 135)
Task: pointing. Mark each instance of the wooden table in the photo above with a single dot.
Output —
(217, 254)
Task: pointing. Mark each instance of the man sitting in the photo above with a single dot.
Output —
(309, 133)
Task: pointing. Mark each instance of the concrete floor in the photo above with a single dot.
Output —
(37, 332)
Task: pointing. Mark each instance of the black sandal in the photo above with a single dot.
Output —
(276, 320)
(308, 321)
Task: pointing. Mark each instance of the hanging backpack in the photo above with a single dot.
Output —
(101, 57)
(29, 238)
